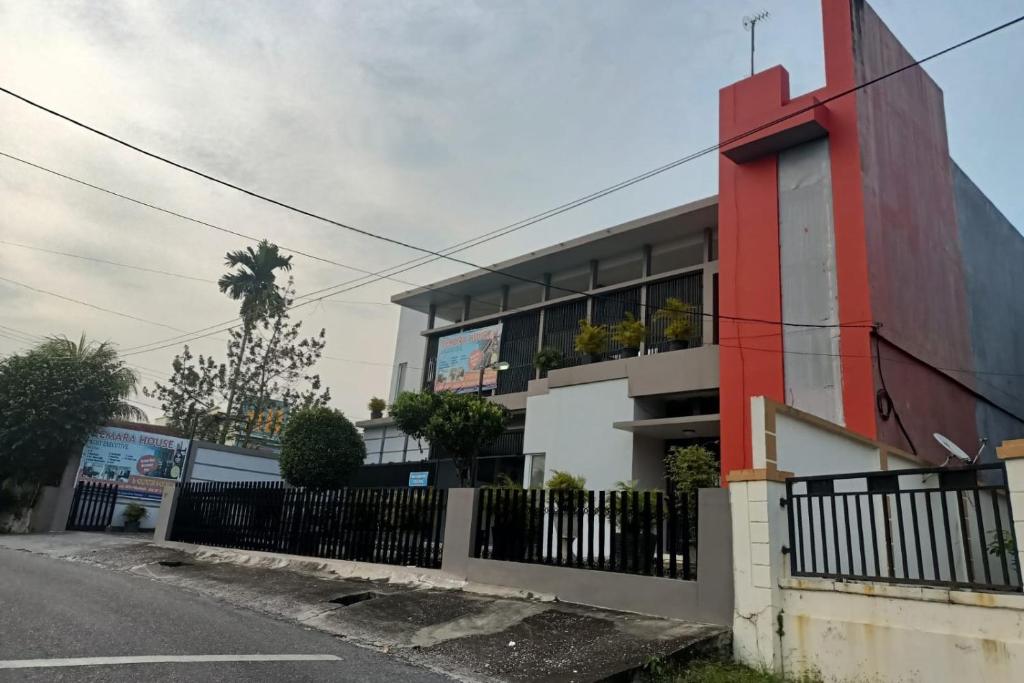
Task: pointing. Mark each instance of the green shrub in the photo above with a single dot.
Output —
(377, 405)
(677, 315)
(629, 332)
(564, 481)
(592, 339)
(547, 359)
(133, 512)
(321, 449)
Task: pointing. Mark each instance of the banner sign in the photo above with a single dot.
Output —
(460, 357)
(268, 425)
(138, 462)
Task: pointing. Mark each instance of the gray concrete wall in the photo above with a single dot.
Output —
(709, 599)
(807, 259)
(993, 256)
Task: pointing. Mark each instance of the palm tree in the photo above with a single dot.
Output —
(253, 283)
(103, 357)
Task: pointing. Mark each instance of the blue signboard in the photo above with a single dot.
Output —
(418, 479)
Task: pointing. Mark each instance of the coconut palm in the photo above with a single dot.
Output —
(252, 283)
(102, 357)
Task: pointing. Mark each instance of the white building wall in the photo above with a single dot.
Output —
(410, 347)
(210, 464)
(572, 427)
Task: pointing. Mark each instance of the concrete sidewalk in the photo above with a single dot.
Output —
(471, 632)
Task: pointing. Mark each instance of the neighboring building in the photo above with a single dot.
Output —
(847, 214)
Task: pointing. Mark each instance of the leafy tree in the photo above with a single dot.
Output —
(689, 469)
(276, 363)
(412, 412)
(320, 448)
(462, 425)
(52, 398)
(253, 283)
(194, 388)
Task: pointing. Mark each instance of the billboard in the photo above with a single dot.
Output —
(138, 462)
(460, 357)
(269, 424)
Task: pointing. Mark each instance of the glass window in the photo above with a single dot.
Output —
(537, 470)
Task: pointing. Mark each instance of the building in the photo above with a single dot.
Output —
(847, 267)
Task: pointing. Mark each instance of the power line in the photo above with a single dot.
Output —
(402, 243)
(86, 303)
(104, 261)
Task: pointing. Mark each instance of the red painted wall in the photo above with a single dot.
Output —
(917, 279)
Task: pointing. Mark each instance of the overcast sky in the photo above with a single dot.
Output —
(430, 122)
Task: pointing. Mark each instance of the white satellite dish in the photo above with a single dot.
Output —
(953, 450)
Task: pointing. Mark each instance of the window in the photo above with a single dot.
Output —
(537, 470)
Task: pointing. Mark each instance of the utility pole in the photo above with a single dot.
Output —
(750, 23)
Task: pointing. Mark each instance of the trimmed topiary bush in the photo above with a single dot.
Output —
(320, 449)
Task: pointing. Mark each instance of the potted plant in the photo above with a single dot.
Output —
(629, 333)
(565, 505)
(377, 406)
(133, 515)
(547, 359)
(679, 325)
(592, 341)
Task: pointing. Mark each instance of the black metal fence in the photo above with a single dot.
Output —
(400, 526)
(92, 507)
(921, 526)
(649, 532)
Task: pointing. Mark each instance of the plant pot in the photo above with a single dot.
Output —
(376, 414)
(629, 352)
(677, 344)
(132, 526)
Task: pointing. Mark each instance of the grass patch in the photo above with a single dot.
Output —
(716, 672)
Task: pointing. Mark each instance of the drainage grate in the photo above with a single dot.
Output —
(353, 598)
(172, 563)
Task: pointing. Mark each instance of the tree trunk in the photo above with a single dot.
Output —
(246, 332)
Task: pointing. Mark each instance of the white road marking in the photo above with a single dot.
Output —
(159, 659)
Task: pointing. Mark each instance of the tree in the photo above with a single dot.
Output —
(320, 449)
(192, 392)
(52, 398)
(460, 425)
(275, 364)
(253, 283)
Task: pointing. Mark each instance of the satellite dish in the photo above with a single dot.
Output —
(953, 450)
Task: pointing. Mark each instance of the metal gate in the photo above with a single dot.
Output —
(92, 508)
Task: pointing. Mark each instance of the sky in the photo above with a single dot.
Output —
(430, 122)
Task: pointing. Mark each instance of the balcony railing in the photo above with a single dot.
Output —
(524, 333)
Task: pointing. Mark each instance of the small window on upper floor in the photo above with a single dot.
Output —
(624, 268)
(676, 255)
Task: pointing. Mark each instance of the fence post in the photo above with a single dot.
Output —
(759, 527)
(459, 528)
(1012, 455)
(165, 516)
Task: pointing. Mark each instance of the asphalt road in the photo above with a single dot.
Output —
(57, 611)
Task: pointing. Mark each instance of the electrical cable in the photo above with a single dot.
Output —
(402, 243)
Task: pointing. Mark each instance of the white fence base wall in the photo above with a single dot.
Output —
(879, 632)
(856, 631)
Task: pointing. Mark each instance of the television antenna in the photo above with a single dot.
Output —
(750, 24)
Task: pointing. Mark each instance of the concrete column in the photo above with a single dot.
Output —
(759, 532)
(593, 285)
(165, 516)
(466, 300)
(58, 518)
(459, 524)
(1012, 455)
(504, 298)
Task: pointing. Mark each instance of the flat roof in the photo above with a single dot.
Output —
(664, 226)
